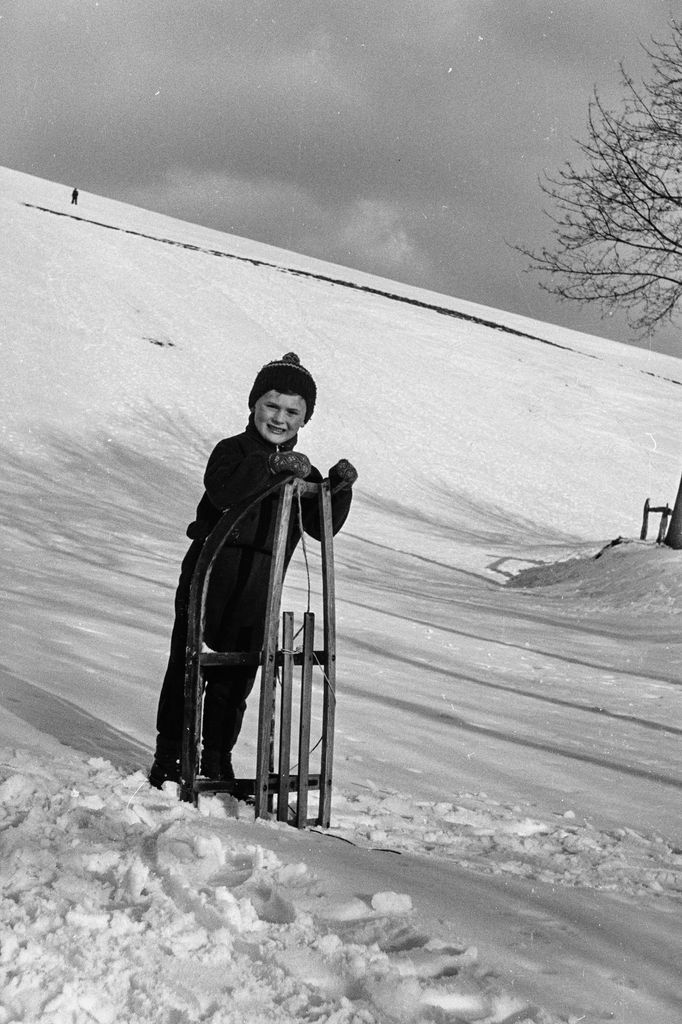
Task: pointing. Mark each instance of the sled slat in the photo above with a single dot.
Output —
(304, 728)
(252, 658)
(245, 788)
(285, 716)
(328, 660)
(267, 687)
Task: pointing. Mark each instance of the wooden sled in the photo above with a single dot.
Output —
(275, 782)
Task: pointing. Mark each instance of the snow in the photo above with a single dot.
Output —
(505, 842)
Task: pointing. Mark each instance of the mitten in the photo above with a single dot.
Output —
(343, 473)
(289, 462)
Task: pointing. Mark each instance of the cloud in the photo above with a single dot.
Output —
(368, 234)
(220, 200)
(374, 236)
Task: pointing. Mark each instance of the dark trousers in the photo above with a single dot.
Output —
(235, 613)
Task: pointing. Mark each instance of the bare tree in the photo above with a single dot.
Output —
(618, 215)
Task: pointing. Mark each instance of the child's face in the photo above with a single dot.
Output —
(278, 417)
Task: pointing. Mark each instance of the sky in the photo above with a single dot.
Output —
(402, 138)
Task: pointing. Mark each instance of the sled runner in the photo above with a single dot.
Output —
(275, 781)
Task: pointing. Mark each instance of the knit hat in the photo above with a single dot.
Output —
(287, 376)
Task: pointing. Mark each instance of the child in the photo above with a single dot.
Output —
(281, 401)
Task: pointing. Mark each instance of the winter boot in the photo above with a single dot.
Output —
(217, 765)
(166, 764)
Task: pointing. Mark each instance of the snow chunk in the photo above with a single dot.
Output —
(90, 921)
(344, 910)
(17, 790)
(276, 909)
(102, 861)
(430, 961)
(390, 903)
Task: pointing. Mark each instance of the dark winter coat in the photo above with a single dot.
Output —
(237, 470)
(238, 587)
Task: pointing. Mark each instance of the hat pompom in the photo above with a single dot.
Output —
(291, 357)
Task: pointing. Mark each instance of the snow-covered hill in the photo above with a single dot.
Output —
(505, 843)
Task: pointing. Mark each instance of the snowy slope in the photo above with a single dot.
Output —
(515, 747)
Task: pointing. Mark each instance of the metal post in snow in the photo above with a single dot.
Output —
(645, 520)
(673, 538)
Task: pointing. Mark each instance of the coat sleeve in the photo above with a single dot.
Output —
(233, 476)
(341, 502)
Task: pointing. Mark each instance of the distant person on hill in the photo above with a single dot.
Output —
(281, 401)
(74, 197)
